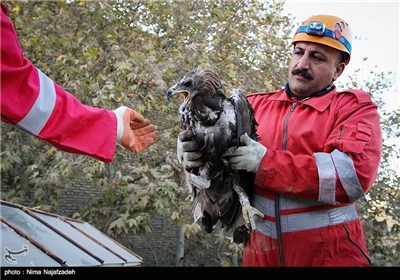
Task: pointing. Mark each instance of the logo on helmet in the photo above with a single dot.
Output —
(337, 33)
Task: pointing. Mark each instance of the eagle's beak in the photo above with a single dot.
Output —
(172, 91)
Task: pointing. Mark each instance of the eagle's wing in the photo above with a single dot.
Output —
(245, 123)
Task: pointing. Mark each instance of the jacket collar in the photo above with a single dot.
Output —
(324, 91)
(318, 102)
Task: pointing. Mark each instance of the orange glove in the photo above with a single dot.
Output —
(134, 132)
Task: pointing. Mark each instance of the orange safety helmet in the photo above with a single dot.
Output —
(326, 30)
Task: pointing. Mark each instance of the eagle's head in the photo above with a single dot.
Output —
(203, 94)
(201, 81)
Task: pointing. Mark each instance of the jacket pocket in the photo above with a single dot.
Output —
(353, 139)
(357, 246)
(344, 245)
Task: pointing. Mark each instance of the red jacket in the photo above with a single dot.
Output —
(323, 155)
(33, 102)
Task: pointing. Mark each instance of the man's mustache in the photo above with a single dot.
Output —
(302, 72)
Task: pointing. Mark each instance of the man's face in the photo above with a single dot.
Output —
(312, 67)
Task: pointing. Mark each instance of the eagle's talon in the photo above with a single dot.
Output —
(248, 214)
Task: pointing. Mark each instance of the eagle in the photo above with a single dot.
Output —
(216, 121)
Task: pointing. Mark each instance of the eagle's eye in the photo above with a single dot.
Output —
(188, 83)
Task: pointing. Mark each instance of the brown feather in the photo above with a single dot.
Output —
(216, 122)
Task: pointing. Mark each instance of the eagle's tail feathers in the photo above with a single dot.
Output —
(241, 234)
(207, 222)
(234, 210)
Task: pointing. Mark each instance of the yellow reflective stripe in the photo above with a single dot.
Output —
(41, 110)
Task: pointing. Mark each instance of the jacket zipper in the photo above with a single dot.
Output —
(285, 123)
(340, 131)
(279, 230)
(277, 198)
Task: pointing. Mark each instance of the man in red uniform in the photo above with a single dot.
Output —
(33, 102)
(319, 153)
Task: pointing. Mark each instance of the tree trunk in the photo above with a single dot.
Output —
(180, 248)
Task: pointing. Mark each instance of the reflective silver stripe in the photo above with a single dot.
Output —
(301, 221)
(317, 219)
(347, 175)
(296, 203)
(327, 177)
(267, 206)
(267, 228)
(40, 112)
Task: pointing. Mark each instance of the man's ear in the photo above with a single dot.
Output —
(339, 70)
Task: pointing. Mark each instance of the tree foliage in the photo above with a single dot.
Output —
(109, 53)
